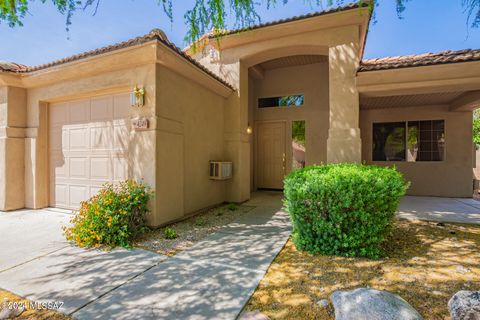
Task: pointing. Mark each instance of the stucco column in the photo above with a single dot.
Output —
(12, 148)
(237, 142)
(343, 144)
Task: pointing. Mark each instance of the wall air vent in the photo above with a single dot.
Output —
(220, 170)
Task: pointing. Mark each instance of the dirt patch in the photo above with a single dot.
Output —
(191, 230)
(426, 264)
(8, 299)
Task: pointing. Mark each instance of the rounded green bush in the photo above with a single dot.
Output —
(113, 217)
(343, 209)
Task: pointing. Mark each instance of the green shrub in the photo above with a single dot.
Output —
(476, 127)
(343, 209)
(200, 221)
(232, 206)
(113, 217)
(170, 233)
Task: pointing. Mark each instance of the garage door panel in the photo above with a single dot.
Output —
(78, 168)
(101, 137)
(88, 146)
(100, 168)
(58, 138)
(101, 109)
(121, 106)
(78, 193)
(58, 165)
(60, 196)
(120, 137)
(79, 111)
(58, 114)
(78, 139)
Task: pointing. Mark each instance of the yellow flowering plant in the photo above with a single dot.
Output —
(113, 217)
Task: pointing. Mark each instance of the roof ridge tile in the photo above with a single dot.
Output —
(423, 59)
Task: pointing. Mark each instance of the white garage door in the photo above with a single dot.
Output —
(88, 146)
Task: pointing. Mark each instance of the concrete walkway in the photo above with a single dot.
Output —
(213, 279)
(459, 210)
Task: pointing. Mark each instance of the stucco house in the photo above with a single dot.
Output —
(268, 99)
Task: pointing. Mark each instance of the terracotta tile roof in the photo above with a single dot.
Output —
(11, 67)
(155, 34)
(426, 59)
(350, 6)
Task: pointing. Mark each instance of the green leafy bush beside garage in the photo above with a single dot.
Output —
(343, 209)
(113, 217)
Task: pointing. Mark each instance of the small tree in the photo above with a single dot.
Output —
(476, 127)
(206, 15)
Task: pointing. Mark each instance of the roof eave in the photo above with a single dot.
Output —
(446, 77)
(29, 75)
(326, 19)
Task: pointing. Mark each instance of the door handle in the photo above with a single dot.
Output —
(284, 161)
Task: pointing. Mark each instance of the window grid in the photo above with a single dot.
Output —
(424, 141)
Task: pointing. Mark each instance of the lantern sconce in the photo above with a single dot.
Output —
(137, 97)
(249, 129)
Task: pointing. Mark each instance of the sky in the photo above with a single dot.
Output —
(426, 26)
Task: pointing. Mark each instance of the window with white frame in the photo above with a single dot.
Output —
(410, 141)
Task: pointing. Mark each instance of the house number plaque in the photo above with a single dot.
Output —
(140, 124)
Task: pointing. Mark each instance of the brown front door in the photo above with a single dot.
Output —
(270, 155)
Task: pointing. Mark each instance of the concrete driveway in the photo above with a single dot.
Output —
(36, 261)
(460, 210)
(27, 235)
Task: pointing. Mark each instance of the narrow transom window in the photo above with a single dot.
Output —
(410, 141)
(283, 101)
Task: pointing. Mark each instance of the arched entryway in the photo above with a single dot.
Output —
(288, 114)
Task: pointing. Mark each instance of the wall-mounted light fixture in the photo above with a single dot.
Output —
(137, 97)
(249, 129)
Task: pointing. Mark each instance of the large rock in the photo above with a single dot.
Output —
(465, 305)
(370, 304)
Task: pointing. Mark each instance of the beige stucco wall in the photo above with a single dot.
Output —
(12, 144)
(310, 80)
(190, 133)
(239, 52)
(449, 178)
(185, 109)
(11, 168)
(141, 158)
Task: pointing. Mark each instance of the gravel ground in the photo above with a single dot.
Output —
(191, 230)
(13, 302)
(426, 263)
